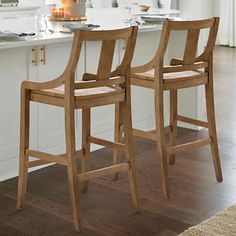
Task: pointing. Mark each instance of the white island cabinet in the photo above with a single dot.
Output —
(50, 119)
(143, 98)
(36, 63)
(102, 117)
(13, 64)
(51, 53)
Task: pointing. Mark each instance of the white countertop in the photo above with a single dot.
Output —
(18, 8)
(106, 18)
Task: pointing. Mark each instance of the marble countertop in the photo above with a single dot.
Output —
(106, 18)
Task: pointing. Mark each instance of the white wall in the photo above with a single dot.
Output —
(196, 9)
(40, 3)
(216, 7)
(32, 3)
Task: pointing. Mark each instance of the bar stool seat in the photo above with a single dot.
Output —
(173, 80)
(82, 96)
(60, 91)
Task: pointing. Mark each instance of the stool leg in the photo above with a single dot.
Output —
(161, 141)
(125, 109)
(86, 120)
(173, 122)
(117, 137)
(72, 165)
(24, 144)
(212, 130)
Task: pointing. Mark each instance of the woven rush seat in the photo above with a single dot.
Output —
(82, 97)
(184, 78)
(60, 91)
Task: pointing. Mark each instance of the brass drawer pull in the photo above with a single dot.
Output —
(43, 54)
(35, 56)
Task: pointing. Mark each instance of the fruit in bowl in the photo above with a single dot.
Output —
(144, 7)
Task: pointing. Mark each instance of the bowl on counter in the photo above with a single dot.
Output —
(155, 19)
(144, 7)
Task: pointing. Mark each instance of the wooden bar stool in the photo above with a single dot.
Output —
(99, 89)
(188, 72)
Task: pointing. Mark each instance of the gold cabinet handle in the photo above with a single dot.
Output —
(35, 56)
(43, 55)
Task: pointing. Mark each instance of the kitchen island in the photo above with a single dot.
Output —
(44, 57)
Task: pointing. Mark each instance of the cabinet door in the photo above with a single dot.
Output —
(102, 117)
(50, 119)
(190, 100)
(13, 64)
(143, 98)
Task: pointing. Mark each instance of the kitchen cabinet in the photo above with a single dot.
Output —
(102, 118)
(38, 63)
(49, 61)
(14, 70)
(143, 98)
(52, 60)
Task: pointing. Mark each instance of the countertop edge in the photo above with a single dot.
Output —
(61, 38)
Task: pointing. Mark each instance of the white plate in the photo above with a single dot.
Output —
(155, 18)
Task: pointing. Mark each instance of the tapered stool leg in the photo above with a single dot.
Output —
(24, 145)
(117, 137)
(212, 129)
(72, 163)
(173, 122)
(161, 141)
(125, 110)
(86, 120)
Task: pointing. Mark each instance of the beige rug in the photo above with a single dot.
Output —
(223, 224)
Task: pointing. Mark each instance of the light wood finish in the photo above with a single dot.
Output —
(125, 110)
(173, 121)
(86, 120)
(105, 87)
(188, 72)
(103, 172)
(144, 134)
(78, 154)
(212, 123)
(192, 121)
(106, 143)
(24, 145)
(187, 146)
(117, 136)
(47, 157)
(38, 163)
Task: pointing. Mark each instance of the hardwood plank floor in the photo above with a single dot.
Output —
(106, 209)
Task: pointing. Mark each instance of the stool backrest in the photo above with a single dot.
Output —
(108, 38)
(193, 29)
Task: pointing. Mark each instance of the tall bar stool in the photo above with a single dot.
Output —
(188, 72)
(99, 89)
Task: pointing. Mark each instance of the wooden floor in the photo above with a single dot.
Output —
(107, 208)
